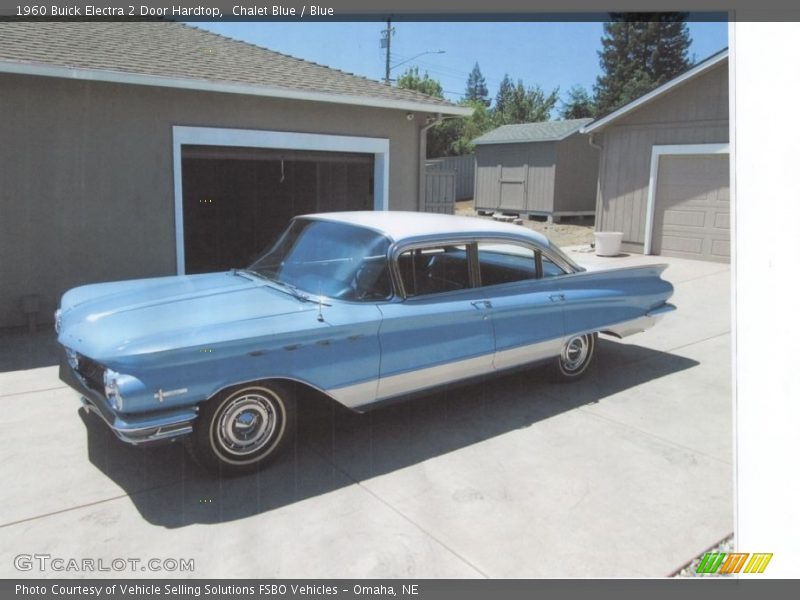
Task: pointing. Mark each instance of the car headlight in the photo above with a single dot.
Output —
(57, 320)
(112, 388)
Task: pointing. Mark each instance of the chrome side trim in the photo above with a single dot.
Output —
(361, 394)
(514, 357)
(413, 381)
(358, 394)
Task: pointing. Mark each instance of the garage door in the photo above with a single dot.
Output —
(692, 207)
(237, 200)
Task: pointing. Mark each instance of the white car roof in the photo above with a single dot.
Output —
(401, 225)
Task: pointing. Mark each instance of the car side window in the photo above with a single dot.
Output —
(434, 269)
(549, 268)
(505, 263)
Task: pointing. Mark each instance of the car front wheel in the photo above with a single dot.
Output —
(242, 429)
(575, 357)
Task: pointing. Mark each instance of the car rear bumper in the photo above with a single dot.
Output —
(148, 428)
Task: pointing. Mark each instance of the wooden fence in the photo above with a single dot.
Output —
(440, 191)
(464, 167)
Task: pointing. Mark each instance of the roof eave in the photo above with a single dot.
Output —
(652, 95)
(44, 70)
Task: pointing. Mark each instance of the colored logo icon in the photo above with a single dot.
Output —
(723, 563)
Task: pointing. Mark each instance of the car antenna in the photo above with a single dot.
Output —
(320, 318)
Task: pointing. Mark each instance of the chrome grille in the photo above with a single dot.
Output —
(92, 373)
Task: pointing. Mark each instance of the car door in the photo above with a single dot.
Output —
(526, 308)
(439, 330)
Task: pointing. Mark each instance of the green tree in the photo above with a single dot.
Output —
(476, 87)
(504, 92)
(442, 138)
(640, 51)
(473, 126)
(412, 80)
(578, 104)
(518, 104)
(454, 136)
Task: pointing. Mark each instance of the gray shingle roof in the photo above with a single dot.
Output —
(546, 131)
(177, 51)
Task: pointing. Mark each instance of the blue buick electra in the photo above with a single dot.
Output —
(365, 307)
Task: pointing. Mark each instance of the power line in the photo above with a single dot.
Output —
(450, 73)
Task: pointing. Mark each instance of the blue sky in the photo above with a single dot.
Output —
(548, 54)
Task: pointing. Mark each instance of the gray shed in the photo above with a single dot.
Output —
(543, 169)
(664, 177)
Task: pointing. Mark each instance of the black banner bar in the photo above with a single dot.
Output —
(349, 589)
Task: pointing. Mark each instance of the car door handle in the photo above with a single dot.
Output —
(481, 304)
(557, 297)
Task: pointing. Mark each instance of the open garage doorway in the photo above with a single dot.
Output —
(236, 189)
(236, 201)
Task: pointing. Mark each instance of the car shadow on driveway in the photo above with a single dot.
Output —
(336, 448)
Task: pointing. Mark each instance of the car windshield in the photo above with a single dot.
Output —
(328, 259)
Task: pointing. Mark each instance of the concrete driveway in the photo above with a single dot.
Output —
(626, 473)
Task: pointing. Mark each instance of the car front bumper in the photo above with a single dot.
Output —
(148, 428)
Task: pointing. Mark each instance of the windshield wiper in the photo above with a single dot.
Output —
(284, 286)
(292, 289)
(281, 285)
(245, 273)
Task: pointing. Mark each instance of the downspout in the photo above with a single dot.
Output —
(599, 199)
(423, 156)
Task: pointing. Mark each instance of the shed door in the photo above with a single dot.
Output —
(692, 207)
(512, 187)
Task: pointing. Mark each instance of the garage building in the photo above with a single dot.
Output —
(664, 175)
(145, 149)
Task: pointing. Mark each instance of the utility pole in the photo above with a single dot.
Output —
(386, 42)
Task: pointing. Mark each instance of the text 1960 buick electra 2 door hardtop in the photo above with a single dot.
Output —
(363, 306)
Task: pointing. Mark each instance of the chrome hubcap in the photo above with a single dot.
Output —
(575, 352)
(247, 424)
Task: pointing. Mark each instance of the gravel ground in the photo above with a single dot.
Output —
(572, 231)
(690, 570)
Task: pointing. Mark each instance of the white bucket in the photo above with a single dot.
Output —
(607, 243)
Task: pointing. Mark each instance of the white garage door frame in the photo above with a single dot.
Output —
(285, 140)
(656, 154)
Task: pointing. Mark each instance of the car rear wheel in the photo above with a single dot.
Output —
(240, 430)
(575, 357)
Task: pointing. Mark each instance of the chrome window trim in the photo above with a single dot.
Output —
(524, 244)
(557, 258)
(396, 249)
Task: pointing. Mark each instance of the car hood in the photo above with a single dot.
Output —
(152, 315)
